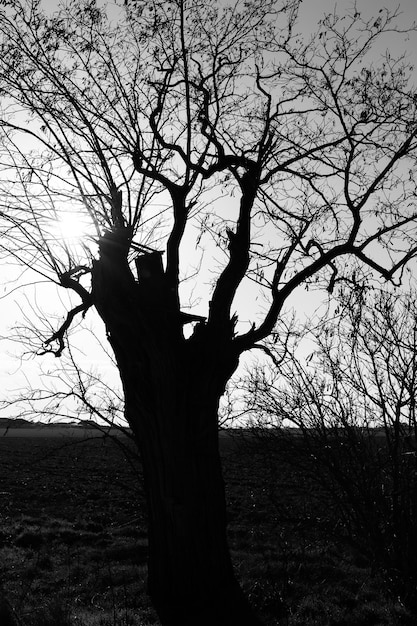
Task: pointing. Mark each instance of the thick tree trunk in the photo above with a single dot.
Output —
(172, 389)
(191, 580)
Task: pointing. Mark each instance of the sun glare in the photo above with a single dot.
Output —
(71, 227)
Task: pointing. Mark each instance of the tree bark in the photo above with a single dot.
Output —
(172, 388)
(191, 579)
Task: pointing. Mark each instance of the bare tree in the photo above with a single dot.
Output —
(175, 126)
(353, 400)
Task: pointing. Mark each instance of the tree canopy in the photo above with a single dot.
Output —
(183, 124)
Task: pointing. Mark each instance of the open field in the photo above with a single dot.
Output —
(47, 432)
(73, 543)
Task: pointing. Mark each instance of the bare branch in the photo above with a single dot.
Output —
(59, 335)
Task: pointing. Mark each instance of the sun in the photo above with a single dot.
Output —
(71, 227)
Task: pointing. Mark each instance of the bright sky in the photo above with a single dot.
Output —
(15, 373)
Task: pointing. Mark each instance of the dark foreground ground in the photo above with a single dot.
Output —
(73, 542)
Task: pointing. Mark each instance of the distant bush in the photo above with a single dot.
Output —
(352, 402)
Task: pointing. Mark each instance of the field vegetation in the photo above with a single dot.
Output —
(73, 546)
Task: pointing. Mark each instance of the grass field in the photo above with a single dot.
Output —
(73, 545)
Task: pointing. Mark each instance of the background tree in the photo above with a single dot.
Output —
(170, 128)
(353, 399)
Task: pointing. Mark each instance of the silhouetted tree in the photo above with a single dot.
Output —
(172, 126)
